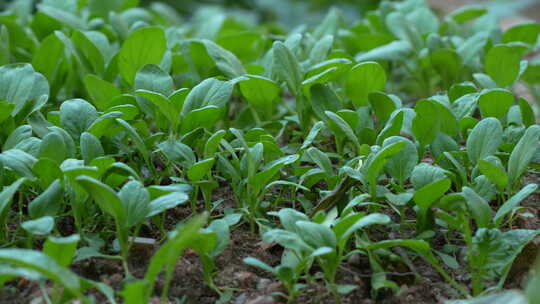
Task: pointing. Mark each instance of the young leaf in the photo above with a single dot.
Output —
(478, 207)
(485, 139)
(427, 122)
(513, 202)
(41, 226)
(90, 147)
(43, 264)
(401, 165)
(53, 147)
(144, 46)
(493, 171)
(427, 195)
(48, 203)
(200, 169)
(523, 153)
(76, 115)
(363, 79)
(287, 68)
(61, 249)
(502, 64)
(106, 198)
(259, 91)
(101, 91)
(495, 103)
(135, 200)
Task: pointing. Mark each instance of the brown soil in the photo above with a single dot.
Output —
(253, 286)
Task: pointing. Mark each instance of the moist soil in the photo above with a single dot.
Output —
(418, 282)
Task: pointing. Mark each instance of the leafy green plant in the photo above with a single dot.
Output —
(380, 116)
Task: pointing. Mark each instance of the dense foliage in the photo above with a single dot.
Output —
(398, 137)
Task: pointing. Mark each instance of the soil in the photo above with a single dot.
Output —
(254, 286)
(421, 284)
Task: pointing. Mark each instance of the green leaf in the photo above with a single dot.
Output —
(447, 63)
(106, 198)
(495, 103)
(363, 79)
(420, 246)
(261, 179)
(502, 64)
(137, 139)
(6, 197)
(90, 147)
(102, 92)
(152, 78)
(323, 98)
(225, 61)
(61, 249)
(513, 202)
(48, 203)
(485, 139)
(134, 292)
(493, 171)
(401, 165)
(404, 29)
(526, 32)
(316, 235)
(258, 263)
(205, 117)
(48, 58)
(210, 92)
(287, 68)
(374, 166)
(170, 251)
(35, 260)
(424, 174)
(394, 51)
(167, 201)
(427, 195)
(41, 226)
(467, 13)
(76, 116)
(320, 50)
(427, 122)
(500, 249)
(19, 161)
(135, 199)
(259, 91)
(527, 114)
(200, 169)
(392, 128)
(212, 144)
(66, 17)
(383, 105)
(341, 127)
(165, 106)
(178, 152)
(21, 85)
(345, 228)
(321, 159)
(523, 153)
(221, 228)
(144, 46)
(17, 136)
(4, 48)
(53, 147)
(478, 207)
(288, 218)
(87, 49)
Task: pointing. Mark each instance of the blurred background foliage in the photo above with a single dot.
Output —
(291, 13)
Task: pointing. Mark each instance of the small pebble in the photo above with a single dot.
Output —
(262, 300)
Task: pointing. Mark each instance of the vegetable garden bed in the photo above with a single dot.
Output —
(251, 153)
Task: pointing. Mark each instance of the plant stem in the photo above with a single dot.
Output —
(452, 282)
